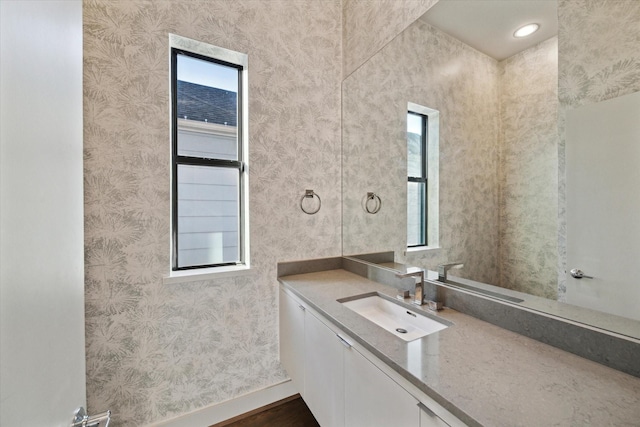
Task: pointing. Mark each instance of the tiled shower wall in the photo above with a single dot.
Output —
(156, 350)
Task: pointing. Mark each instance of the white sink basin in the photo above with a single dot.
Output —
(398, 320)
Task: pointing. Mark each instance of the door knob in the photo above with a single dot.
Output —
(81, 419)
(576, 273)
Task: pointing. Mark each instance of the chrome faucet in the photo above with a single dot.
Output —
(418, 274)
(443, 269)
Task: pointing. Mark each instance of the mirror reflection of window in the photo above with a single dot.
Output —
(416, 179)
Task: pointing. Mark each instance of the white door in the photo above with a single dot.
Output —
(603, 205)
(41, 213)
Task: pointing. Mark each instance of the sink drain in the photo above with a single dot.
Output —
(400, 330)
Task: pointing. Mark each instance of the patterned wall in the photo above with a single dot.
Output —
(528, 250)
(446, 75)
(498, 179)
(599, 50)
(154, 350)
(599, 59)
(370, 24)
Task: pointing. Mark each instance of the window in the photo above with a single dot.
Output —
(209, 168)
(422, 177)
(416, 179)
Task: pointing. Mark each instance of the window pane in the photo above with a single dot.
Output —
(207, 98)
(415, 214)
(208, 215)
(414, 145)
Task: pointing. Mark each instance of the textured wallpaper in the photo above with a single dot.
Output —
(599, 50)
(429, 68)
(498, 164)
(528, 250)
(154, 350)
(599, 59)
(370, 24)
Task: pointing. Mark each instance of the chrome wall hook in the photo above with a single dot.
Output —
(310, 194)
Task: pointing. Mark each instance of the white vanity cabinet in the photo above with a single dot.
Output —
(311, 354)
(374, 399)
(428, 418)
(323, 373)
(292, 315)
(342, 383)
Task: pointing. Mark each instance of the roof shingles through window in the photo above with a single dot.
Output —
(205, 103)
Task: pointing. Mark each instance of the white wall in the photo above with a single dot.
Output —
(41, 213)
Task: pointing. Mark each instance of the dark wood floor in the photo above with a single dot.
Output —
(289, 412)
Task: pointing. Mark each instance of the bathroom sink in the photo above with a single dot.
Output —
(400, 321)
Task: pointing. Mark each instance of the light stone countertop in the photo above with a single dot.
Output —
(599, 319)
(481, 373)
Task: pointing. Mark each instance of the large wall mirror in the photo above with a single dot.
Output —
(502, 125)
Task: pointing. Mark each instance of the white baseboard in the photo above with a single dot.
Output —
(222, 411)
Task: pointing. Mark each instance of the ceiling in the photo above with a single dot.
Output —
(488, 25)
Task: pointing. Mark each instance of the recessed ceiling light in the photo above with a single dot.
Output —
(526, 30)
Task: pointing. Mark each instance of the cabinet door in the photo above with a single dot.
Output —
(324, 391)
(429, 419)
(372, 398)
(292, 315)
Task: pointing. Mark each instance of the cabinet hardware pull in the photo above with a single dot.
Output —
(344, 341)
(430, 413)
(301, 307)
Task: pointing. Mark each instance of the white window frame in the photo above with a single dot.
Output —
(433, 174)
(243, 266)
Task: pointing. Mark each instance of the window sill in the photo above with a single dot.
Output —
(185, 276)
(421, 249)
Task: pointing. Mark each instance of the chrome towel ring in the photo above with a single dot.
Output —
(310, 194)
(373, 203)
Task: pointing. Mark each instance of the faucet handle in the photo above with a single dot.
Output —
(411, 271)
(451, 265)
(444, 268)
(403, 294)
(418, 276)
